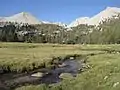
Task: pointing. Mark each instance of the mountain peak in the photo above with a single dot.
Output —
(108, 7)
(81, 20)
(24, 14)
(108, 13)
(23, 17)
(112, 8)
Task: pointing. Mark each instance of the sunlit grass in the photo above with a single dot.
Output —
(103, 74)
(19, 56)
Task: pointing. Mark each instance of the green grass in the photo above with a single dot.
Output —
(103, 74)
(20, 56)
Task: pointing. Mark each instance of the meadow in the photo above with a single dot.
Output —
(16, 57)
(104, 62)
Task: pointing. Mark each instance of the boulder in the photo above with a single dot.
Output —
(38, 74)
(116, 84)
(1, 71)
(65, 75)
(72, 58)
(62, 65)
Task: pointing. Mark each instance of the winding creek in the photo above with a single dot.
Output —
(69, 66)
(10, 81)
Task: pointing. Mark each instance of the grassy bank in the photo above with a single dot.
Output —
(103, 74)
(23, 56)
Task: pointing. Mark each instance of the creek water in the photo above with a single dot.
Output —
(10, 80)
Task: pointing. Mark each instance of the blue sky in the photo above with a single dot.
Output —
(56, 10)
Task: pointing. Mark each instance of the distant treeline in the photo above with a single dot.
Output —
(108, 32)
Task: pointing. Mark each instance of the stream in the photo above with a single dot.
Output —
(10, 81)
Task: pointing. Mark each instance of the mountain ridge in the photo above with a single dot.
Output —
(108, 13)
(25, 17)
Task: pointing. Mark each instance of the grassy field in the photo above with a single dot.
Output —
(104, 73)
(20, 56)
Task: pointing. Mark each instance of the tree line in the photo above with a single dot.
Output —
(108, 32)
